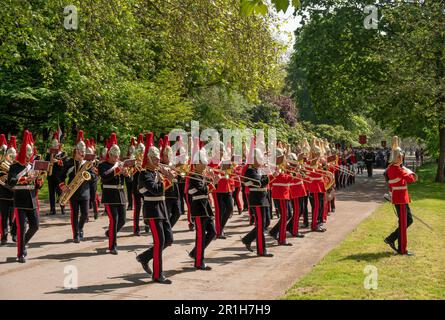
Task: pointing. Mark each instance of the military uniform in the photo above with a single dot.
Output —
(280, 186)
(53, 180)
(202, 214)
(6, 210)
(80, 200)
(113, 198)
(317, 192)
(152, 187)
(258, 204)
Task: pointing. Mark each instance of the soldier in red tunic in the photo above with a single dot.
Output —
(398, 177)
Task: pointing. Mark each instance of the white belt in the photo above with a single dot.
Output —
(23, 188)
(200, 197)
(258, 189)
(316, 178)
(394, 180)
(399, 188)
(281, 184)
(297, 184)
(112, 186)
(161, 198)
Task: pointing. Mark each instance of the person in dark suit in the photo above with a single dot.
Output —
(369, 161)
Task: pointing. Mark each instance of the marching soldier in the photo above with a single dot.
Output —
(172, 195)
(7, 195)
(56, 157)
(297, 194)
(201, 211)
(153, 181)
(137, 196)
(317, 192)
(398, 178)
(24, 183)
(113, 194)
(258, 204)
(280, 186)
(79, 201)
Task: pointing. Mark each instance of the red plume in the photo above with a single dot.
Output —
(140, 138)
(21, 157)
(12, 142)
(3, 140)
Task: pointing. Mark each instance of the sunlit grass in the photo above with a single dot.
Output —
(340, 275)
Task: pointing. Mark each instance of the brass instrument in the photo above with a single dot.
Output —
(81, 176)
(4, 168)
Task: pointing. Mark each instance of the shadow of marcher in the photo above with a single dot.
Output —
(372, 256)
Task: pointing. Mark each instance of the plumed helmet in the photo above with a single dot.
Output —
(11, 152)
(3, 144)
(55, 141)
(89, 149)
(140, 147)
(396, 151)
(148, 145)
(80, 142)
(26, 149)
(113, 149)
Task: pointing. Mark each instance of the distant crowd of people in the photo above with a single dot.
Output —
(370, 158)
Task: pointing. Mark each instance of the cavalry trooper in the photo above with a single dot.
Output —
(258, 204)
(398, 178)
(79, 201)
(280, 186)
(56, 157)
(7, 195)
(137, 196)
(129, 177)
(172, 201)
(153, 181)
(113, 194)
(199, 190)
(24, 182)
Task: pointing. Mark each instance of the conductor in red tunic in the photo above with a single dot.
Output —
(398, 178)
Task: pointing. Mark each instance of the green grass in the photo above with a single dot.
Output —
(340, 275)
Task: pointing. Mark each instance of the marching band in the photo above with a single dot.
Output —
(205, 187)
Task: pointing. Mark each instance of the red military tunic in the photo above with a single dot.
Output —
(281, 186)
(398, 179)
(317, 182)
(297, 187)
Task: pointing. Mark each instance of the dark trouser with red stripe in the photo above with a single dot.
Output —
(94, 203)
(244, 195)
(317, 203)
(116, 215)
(297, 208)
(173, 210)
(225, 206)
(236, 196)
(305, 209)
(162, 238)
(258, 232)
(129, 187)
(7, 218)
(181, 188)
(400, 234)
(53, 189)
(137, 207)
(77, 222)
(21, 216)
(280, 227)
(205, 233)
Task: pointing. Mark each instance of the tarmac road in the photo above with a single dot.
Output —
(236, 273)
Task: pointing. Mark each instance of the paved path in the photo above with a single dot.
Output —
(236, 274)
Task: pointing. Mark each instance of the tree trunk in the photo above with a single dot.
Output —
(441, 164)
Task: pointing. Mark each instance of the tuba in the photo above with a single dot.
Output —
(81, 176)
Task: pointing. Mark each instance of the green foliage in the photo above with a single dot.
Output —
(261, 7)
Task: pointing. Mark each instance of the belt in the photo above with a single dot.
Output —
(258, 189)
(112, 186)
(204, 196)
(297, 184)
(394, 180)
(160, 198)
(399, 188)
(23, 188)
(316, 178)
(281, 184)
